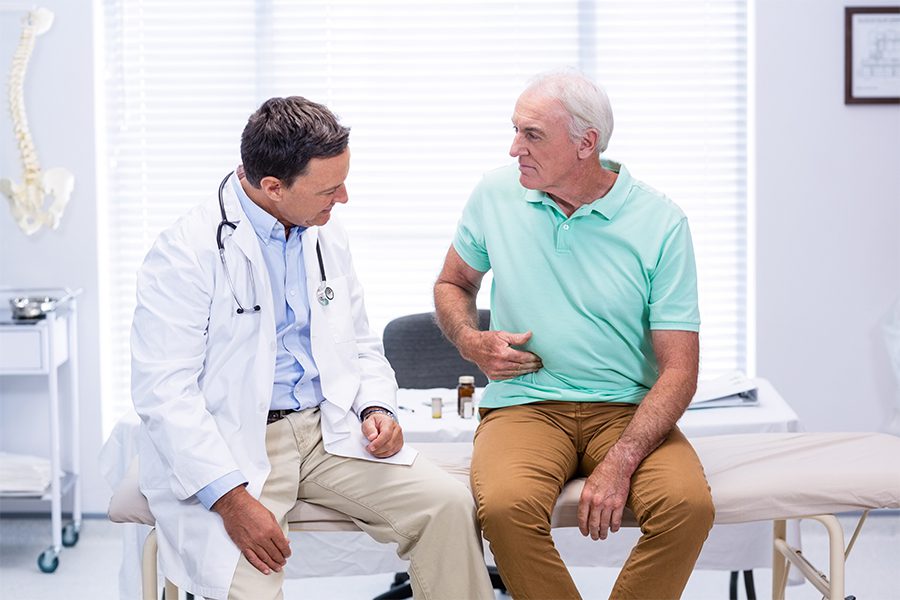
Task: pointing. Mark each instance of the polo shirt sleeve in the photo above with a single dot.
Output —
(673, 283)
(469, 241)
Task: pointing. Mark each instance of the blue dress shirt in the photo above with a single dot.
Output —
(297, 384)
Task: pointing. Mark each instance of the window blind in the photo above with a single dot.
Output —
(428, 90)
(676, 74)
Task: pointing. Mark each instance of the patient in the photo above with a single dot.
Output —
(259, 382)
(593, 351)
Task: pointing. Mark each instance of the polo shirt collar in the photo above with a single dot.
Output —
(607, 206)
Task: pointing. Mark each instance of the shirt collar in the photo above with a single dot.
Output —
(608, 205)
(266, 226)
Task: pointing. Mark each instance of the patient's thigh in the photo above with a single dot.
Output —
(522, 453)
(669, 476)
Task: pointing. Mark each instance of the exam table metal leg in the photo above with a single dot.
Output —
(149, 589)
(779, 562)
(171, 591)
(149, 586)
(832, 585)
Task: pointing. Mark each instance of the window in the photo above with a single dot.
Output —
(428, 89)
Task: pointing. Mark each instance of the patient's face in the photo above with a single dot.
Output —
(542, 144)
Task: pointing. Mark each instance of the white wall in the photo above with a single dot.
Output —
(60, 103)
(828, 215)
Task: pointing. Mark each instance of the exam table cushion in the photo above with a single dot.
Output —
(753, 477)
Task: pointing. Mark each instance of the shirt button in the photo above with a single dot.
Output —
(566, 226)
(293, 292)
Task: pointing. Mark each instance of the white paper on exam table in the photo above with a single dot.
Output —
(731, 389)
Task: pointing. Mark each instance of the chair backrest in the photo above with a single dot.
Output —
(423, 358)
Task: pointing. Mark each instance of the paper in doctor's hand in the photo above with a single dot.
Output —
(384, 434)
(253, 528)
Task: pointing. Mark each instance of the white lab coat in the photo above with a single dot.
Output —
(202, 377)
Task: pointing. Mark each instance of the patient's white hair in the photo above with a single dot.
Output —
(583, 99)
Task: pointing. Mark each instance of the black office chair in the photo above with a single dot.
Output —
(423, 358)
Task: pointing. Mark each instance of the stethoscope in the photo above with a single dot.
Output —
(324, 293)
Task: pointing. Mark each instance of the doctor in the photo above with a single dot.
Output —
(258, 381)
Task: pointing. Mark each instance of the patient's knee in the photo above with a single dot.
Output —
(496, 512)
(701, 509)
(692, 509)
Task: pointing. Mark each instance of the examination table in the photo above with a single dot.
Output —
(753, 477)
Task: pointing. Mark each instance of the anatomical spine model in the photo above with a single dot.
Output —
(27, 199)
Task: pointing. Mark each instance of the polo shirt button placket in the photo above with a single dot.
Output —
(562, 238)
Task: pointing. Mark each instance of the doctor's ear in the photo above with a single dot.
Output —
(272, 187)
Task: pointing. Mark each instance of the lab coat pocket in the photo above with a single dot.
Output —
(338, 312)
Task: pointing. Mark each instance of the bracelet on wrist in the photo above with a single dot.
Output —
(367, 412)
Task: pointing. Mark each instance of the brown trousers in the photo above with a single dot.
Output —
(523, 456)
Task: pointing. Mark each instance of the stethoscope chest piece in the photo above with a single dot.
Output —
(324, 294)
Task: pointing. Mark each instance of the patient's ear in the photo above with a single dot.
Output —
(587, 145)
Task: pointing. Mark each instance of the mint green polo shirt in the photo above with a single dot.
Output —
(590, 287)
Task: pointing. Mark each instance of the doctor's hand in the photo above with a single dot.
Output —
(254, 530)
(494, 354)
(384, 434)
(603, 499)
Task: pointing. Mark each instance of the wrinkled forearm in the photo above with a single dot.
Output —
(657, 414)
(455, 311)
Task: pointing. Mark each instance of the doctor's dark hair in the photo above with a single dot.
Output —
(284, 134)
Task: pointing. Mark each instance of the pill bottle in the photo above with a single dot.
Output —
(465, 393)
(437, 407)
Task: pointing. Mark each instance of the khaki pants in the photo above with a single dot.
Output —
(524, 455)
(420, 507)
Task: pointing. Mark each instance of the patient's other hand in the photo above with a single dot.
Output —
(602, 501)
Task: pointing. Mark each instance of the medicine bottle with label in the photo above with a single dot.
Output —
(465, 393)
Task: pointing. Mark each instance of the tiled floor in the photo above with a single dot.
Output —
(90, 570)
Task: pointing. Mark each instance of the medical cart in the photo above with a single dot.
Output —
(39, 347)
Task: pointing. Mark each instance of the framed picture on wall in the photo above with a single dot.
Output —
(872, 55)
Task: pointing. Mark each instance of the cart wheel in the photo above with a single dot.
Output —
(48, 560)
(69, 535)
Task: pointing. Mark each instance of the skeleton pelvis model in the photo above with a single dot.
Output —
(28, 200)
